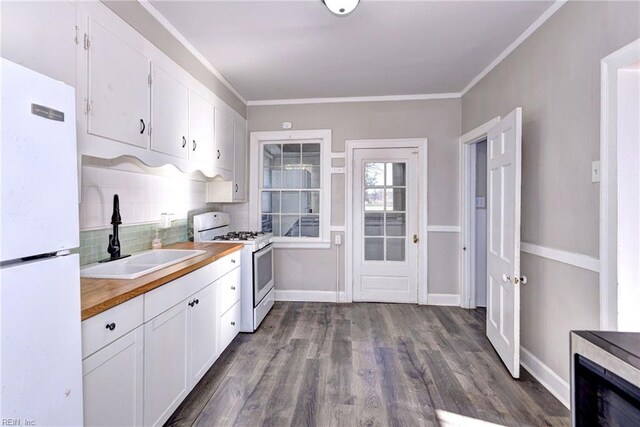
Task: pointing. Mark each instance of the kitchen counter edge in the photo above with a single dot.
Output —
(99, 295)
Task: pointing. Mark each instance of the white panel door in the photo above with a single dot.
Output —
(170, 114)
(224, 139)
(166, 381)
(504, 145)
(41, 364)
(113, 383)
(200, 132)
(118, 88)
(385, 225)
(240, 162)
(202, 333)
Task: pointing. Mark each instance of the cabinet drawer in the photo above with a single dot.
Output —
(228, 263)
(108, 326)
(229, 326)
(229, 290)
(166, 296)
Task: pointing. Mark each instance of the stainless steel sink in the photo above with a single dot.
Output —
(139, 264)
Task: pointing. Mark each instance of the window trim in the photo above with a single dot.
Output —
(257, 140)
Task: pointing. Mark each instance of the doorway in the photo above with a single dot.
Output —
(619, 197)
(386, 244)
(385, 225)
(479, 200)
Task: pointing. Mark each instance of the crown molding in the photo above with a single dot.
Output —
(557, 4)
(384, 98)
(182, 39)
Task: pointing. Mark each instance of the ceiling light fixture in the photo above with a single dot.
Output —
(341, 7)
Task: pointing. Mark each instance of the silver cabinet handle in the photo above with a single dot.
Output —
(194, 145)
(233, 288)
(218, 154)
(233, 261)
(111, 326)
(184, 142)
(233, 323)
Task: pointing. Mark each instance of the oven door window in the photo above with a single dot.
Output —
(262, 273)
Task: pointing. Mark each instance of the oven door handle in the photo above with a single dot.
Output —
(263, 249)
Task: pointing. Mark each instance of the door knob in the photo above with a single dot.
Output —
(415, 238)
(506, 278)
(523, 280)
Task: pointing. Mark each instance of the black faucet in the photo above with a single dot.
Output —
(114, 241)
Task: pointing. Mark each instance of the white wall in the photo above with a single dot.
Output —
(628, 199)
(555, 76)
(437, 120)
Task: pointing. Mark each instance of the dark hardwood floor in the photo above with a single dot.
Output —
(320, 364)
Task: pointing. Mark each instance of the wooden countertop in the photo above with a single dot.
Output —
(98, 295)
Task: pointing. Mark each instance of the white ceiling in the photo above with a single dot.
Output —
(297, 49)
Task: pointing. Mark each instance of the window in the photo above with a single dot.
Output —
(292, 197)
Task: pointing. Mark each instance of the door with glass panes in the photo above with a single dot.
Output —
(385, 225)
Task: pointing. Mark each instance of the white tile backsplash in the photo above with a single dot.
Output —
(239, 215)
(143, 197)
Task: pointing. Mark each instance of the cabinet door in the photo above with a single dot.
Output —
(200, 132)
(224, 139)
(118, 88)
(113, 383)
(165, 364)
(41, 36)
(240, 161)
(202, 333)
(170, 114)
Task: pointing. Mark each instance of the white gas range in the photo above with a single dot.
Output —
(257, 293)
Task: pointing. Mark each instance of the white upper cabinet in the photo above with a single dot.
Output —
(170, 114)
(41, 36)
(201, 133)
(240, 161)
(118, 88)
(224, 140)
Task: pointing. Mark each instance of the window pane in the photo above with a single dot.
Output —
(310, 226)
(311, 154)
(395, 249)
(290, 225)
(396, 199)
(310, 177)
(373, 174)
(396, 174)
(272, 155)
(291, 177)
(291, 154)
(290, 202)
(267, 223)
(395, 224)
(270, 201)
(272, 177)
(373, 249)
(373, 224)
(374, 199)
(276, 225)
(310, 202)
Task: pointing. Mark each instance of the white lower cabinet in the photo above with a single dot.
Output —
(138, 373)
(113, 383)
(202, 333)
(165, 360)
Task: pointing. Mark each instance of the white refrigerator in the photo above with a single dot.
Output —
(40, 346)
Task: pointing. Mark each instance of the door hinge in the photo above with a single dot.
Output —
(77, 38)
(149, 79)
(88, 105)
(87, 42)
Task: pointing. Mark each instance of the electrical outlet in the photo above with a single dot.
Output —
(287, 125)
(480, 202)
(337, 239)
(595, 171)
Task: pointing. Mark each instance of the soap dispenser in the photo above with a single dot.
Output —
(157, 243)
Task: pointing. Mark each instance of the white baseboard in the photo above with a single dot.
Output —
(443, 299)
(309, 296)
(545, 376)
